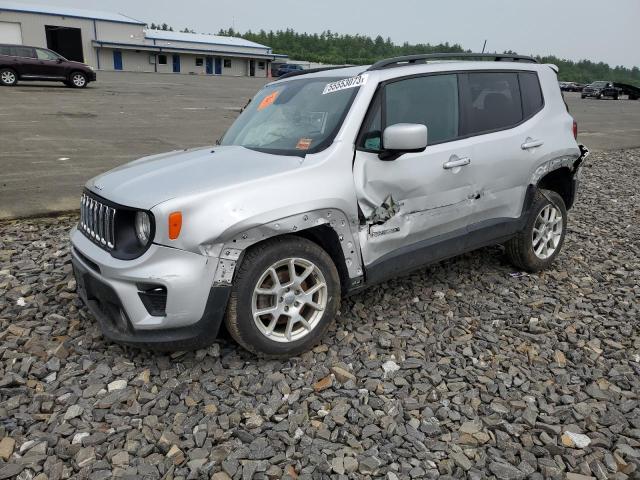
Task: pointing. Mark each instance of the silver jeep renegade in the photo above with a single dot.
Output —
(329, 181)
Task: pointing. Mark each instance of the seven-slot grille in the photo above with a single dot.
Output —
(97, 221)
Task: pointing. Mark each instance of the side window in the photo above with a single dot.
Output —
(491, 102)
(531, 92)
(162, 59)
(227, 63)
(5, 51)
(430, 100)
(45, 55)
(25, 52)
(199, 62)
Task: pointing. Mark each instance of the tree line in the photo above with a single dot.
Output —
(340, 49)
(333, 48)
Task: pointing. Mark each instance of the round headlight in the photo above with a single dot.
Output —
(143, 228)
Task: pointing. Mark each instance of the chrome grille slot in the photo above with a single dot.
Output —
(97, 221)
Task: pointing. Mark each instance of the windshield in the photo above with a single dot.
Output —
(295, 117)
(599, 84)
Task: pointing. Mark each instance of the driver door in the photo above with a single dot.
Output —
(47, 65)
(419, 198)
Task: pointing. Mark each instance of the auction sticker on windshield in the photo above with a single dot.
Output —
(346, 83)
(268, 100)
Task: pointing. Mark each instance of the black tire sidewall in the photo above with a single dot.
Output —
(15, 76)
(543, 198)
(247, 279)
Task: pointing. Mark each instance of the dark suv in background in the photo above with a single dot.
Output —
(20, 62)
(601, 89)
(288, 68)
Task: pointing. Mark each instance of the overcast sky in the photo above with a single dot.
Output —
(598, 30)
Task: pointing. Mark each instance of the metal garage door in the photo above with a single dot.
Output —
(10, 33)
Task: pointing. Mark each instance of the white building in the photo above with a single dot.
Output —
(112, 41)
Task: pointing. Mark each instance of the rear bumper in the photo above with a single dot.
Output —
(112, 289)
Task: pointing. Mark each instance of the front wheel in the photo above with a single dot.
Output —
(8, 77)
(285, 297)
(539, 243)
(78, 80)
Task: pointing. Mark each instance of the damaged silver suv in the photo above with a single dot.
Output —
(329, 181)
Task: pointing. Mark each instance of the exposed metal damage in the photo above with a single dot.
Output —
(568, 161)
(230, 252)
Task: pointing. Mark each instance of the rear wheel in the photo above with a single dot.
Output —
(285, 297)
(539, 243)
(78, 80)
(8, 77)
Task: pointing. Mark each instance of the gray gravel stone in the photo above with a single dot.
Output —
(459, 370)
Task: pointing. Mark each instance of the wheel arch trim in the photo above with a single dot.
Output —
(232, 251)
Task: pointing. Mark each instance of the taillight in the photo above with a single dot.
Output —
(575, 129)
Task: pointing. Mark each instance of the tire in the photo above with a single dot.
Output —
(8, 77)
(77, 80)
(615, 97)
(583, 96)
(520, 250)
(260, 268)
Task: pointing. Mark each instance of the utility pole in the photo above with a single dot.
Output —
(484, 46)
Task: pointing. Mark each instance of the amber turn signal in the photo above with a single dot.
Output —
(175, 224)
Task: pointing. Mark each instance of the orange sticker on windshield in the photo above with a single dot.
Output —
(268, 100)
(304, 144)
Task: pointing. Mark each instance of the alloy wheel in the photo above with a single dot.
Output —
(289, 300)
(8, 77)
(547, 232)
(78, 80)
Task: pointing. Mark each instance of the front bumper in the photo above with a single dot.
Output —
(111, 290)
(91, 76)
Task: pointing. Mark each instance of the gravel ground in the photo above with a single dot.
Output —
(462, 370)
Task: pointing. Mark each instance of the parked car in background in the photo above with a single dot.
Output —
(288, 68)
(571, 86)
(328, 182)
(24, 63)
(601, 89)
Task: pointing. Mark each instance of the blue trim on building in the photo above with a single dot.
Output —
(158, 48)
(95, 37)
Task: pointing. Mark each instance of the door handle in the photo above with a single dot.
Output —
(458, 162)
(530, 143)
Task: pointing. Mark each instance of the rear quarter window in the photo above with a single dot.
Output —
(532, 101)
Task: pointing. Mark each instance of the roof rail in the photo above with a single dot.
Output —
(423, 58)
(310, 70)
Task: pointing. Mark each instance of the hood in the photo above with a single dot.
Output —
(80, 64)
(152, 180)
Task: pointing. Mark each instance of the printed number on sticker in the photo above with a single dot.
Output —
(344, 84)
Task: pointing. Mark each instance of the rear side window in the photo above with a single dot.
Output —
(24, 52)
(532, 101)
(491, 101)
